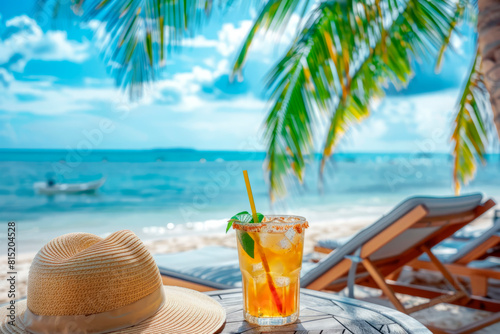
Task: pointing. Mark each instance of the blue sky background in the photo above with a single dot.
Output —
(55, 92)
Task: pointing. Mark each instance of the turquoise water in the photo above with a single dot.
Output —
(164, 192)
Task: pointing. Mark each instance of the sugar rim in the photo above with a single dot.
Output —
(273, 222)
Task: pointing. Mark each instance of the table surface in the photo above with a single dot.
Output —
(323, 313)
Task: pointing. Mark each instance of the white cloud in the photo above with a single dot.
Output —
(93, 25)
(47, 78)
(264, 42)
(253, 13)
(458, 43)
(200, 41)
(23, 40)
(49, 98)
(88, 81)
(45, 98)
(373, 129)
(5, 77)
(188, 85)
(425, 112)
(191, 120)
(407, 123)
(231, 37)
(214, 124)
(361, 137)
(210, 62)
(101, 37)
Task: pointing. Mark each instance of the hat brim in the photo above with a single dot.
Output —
(184, 311)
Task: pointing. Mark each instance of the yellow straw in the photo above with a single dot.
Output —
(250, 197)
(261, 252)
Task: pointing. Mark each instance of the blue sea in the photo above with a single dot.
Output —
(161, 193)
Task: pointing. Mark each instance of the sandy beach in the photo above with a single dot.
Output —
(446, 316)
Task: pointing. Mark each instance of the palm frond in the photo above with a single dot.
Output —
(392, 56)
(457, 18)
(274, 16)
(139, 32)
(345, 55)
(470, 134)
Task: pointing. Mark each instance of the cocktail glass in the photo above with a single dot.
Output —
(270, 255)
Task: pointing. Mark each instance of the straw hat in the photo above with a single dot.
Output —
(81, 283)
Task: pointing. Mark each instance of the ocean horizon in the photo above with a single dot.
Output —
(166, 192)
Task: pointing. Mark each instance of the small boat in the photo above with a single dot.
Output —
(68, 188)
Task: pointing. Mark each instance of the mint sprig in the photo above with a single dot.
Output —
(243, 217)
(247, 243)
(246, 240)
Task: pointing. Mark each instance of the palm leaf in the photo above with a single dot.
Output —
(342, 59)
(392, 55)
(457, 18)
(139, 32)
(470, 134)
(274, 16)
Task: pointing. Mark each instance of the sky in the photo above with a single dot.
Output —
(56, 93)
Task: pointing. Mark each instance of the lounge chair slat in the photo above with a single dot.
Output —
(447, 275)
(480, 250)
(475, 302)
(472, 328)
(458, 218)
(458, 269)
(379, 279)
(438, 300)
(394, 230)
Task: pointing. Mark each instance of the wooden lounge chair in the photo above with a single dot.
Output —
(371, 256)
(476, 259)
(479, 242)
(467, 253)
(471, 253)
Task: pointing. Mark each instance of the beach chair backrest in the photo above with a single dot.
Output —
(408, 239)
(479, 245)
(401, 232)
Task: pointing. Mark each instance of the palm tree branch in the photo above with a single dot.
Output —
(396, 54)
(315, 47)
(274, 16)
(470, 136)
(344, 74)
(138, 32)
(457, 17)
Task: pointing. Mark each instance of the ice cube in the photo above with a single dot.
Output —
(290, 234)
(285, 244)
(293, 236)
(275, 242)
(257, 267)
(268, 239)
(281, 281)
(260, 279)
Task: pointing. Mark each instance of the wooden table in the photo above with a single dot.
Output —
(323, 313)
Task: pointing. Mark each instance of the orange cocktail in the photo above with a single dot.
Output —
(270, 255)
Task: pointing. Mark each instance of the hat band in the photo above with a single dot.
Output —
(123, 317)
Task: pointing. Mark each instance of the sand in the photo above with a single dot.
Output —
(444, 315)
